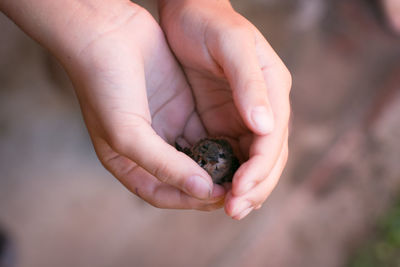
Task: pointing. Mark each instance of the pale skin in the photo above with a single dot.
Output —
(136, 98)
(392, 10)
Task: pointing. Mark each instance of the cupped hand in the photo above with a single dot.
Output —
(241, 91)
(136, 102)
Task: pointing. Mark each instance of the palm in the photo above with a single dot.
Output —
(133, 92)
(214, 103)
(211, 87)
(169, 98)
(169, 95)
(234, 75)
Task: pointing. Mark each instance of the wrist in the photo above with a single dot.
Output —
(162, 4)
(186, 12)
(65, 27)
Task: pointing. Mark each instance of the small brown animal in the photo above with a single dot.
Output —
(215, 156)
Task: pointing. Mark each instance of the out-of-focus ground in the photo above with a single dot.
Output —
(383, 246)
(63, 209)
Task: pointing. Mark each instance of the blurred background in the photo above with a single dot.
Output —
(337, 203)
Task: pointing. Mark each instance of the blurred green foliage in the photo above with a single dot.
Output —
(383, 250)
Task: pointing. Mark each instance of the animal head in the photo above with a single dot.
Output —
(211, 151)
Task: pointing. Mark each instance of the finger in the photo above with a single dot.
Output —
(150, 189)
(166, 196)
(258, 207)
(151, 152)
(392, 9)
(119, 113)
(239, 207)
(236, 52)
(266, 150)
(264, 155)
(276, 75)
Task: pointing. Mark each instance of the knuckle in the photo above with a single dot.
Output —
(162, 173)
(255, 84)
(122, 134)
(122, 142)
(154, 198)
(234, 33)
(113, 162)
(107, 162)
(260, 199)
(239, 30)
(117, 141)
(287, 78)
(104, 152)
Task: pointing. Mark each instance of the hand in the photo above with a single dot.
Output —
(241, 90)
(392, 12)
(113, 51)
(129, 126)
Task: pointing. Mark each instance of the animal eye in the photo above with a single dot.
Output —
(221, 155)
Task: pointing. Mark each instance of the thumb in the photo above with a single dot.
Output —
(118, 112)
(142, 145)
(236, 54)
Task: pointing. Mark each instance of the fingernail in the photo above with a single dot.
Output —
(242, 206)
(243, 214)
(198, 187)
(246, 188)
(262, 119)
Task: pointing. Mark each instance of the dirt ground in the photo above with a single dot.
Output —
(62, 208)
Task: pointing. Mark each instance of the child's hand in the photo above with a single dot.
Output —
(241, 90)
(133, 94)
(130, 125)
(392, 12)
